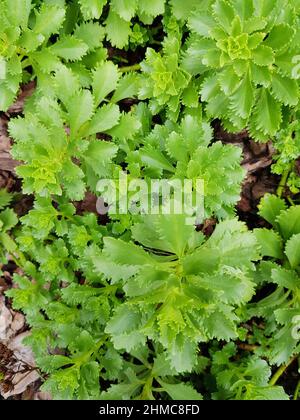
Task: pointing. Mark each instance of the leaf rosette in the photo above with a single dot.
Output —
(246, 51)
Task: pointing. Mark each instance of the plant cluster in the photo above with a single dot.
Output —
(146, 306)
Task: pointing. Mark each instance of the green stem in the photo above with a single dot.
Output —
(290, 200)
(17, 261)
(154, 42)
(26, 63)
(283, 182)
(120, 59)
(16, 255)
(281, 371)
(21, 258)
(147, 389)
(84, 358)
(127, 69)
(297, 390)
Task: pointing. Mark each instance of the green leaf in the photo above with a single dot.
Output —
(229, 81)
(261, 75)
(117, 30)
(153, 158)
(280, 36)
(41, 220)
(270, 207)
(267, 113)
(7, 97)
(285, 90)
(270, 243)
(81, 109)
(162, 367)
(244, 8)
(125, 253)
(181, 10)
(31, 40)
(45, 60)
(92, 9)
(112, 363)
(89, 381)
(8, 219)
(183, 357)
(231, 236)
(270, 393)
(125, 8)
(51, 363)
(120, 392)
(221, 327)
(263, 56)
(63, 383)
(255, 39)
(99, 154)
(105, 118)
(128, 126)
(202, 261)
(105, 80)
(5, 198)
(28, 296)
(190, 96)
(181, 391)
(243, 98)
(49, 20)
(121, 327)
(127, 88)
(69, 48)
(66, 84)
(224, 14)
(90, 33)
(18, 11)
(3, 68)
(289, 222)
(210, 90)
(153, 9)
(285, 278)
(201, 23)
(173, 231)
(292, 250)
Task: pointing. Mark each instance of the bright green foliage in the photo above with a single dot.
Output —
(137, 380)
(181, 10)
(92, 9)
(287, 144)
(282, 307)
(77, 315)
(166, 82)
(53, 134)
(8, 220)
(184, 290)
(24, 44)
(118, 25)
(245, 49)
(246, 380)
(185, 152)
(5, 198)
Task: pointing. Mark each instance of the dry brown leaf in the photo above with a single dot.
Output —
(23, 372)
(6, 320)
(11, 322)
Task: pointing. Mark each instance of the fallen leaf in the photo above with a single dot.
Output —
(6, 319)
(22, 373)
(11, 322)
